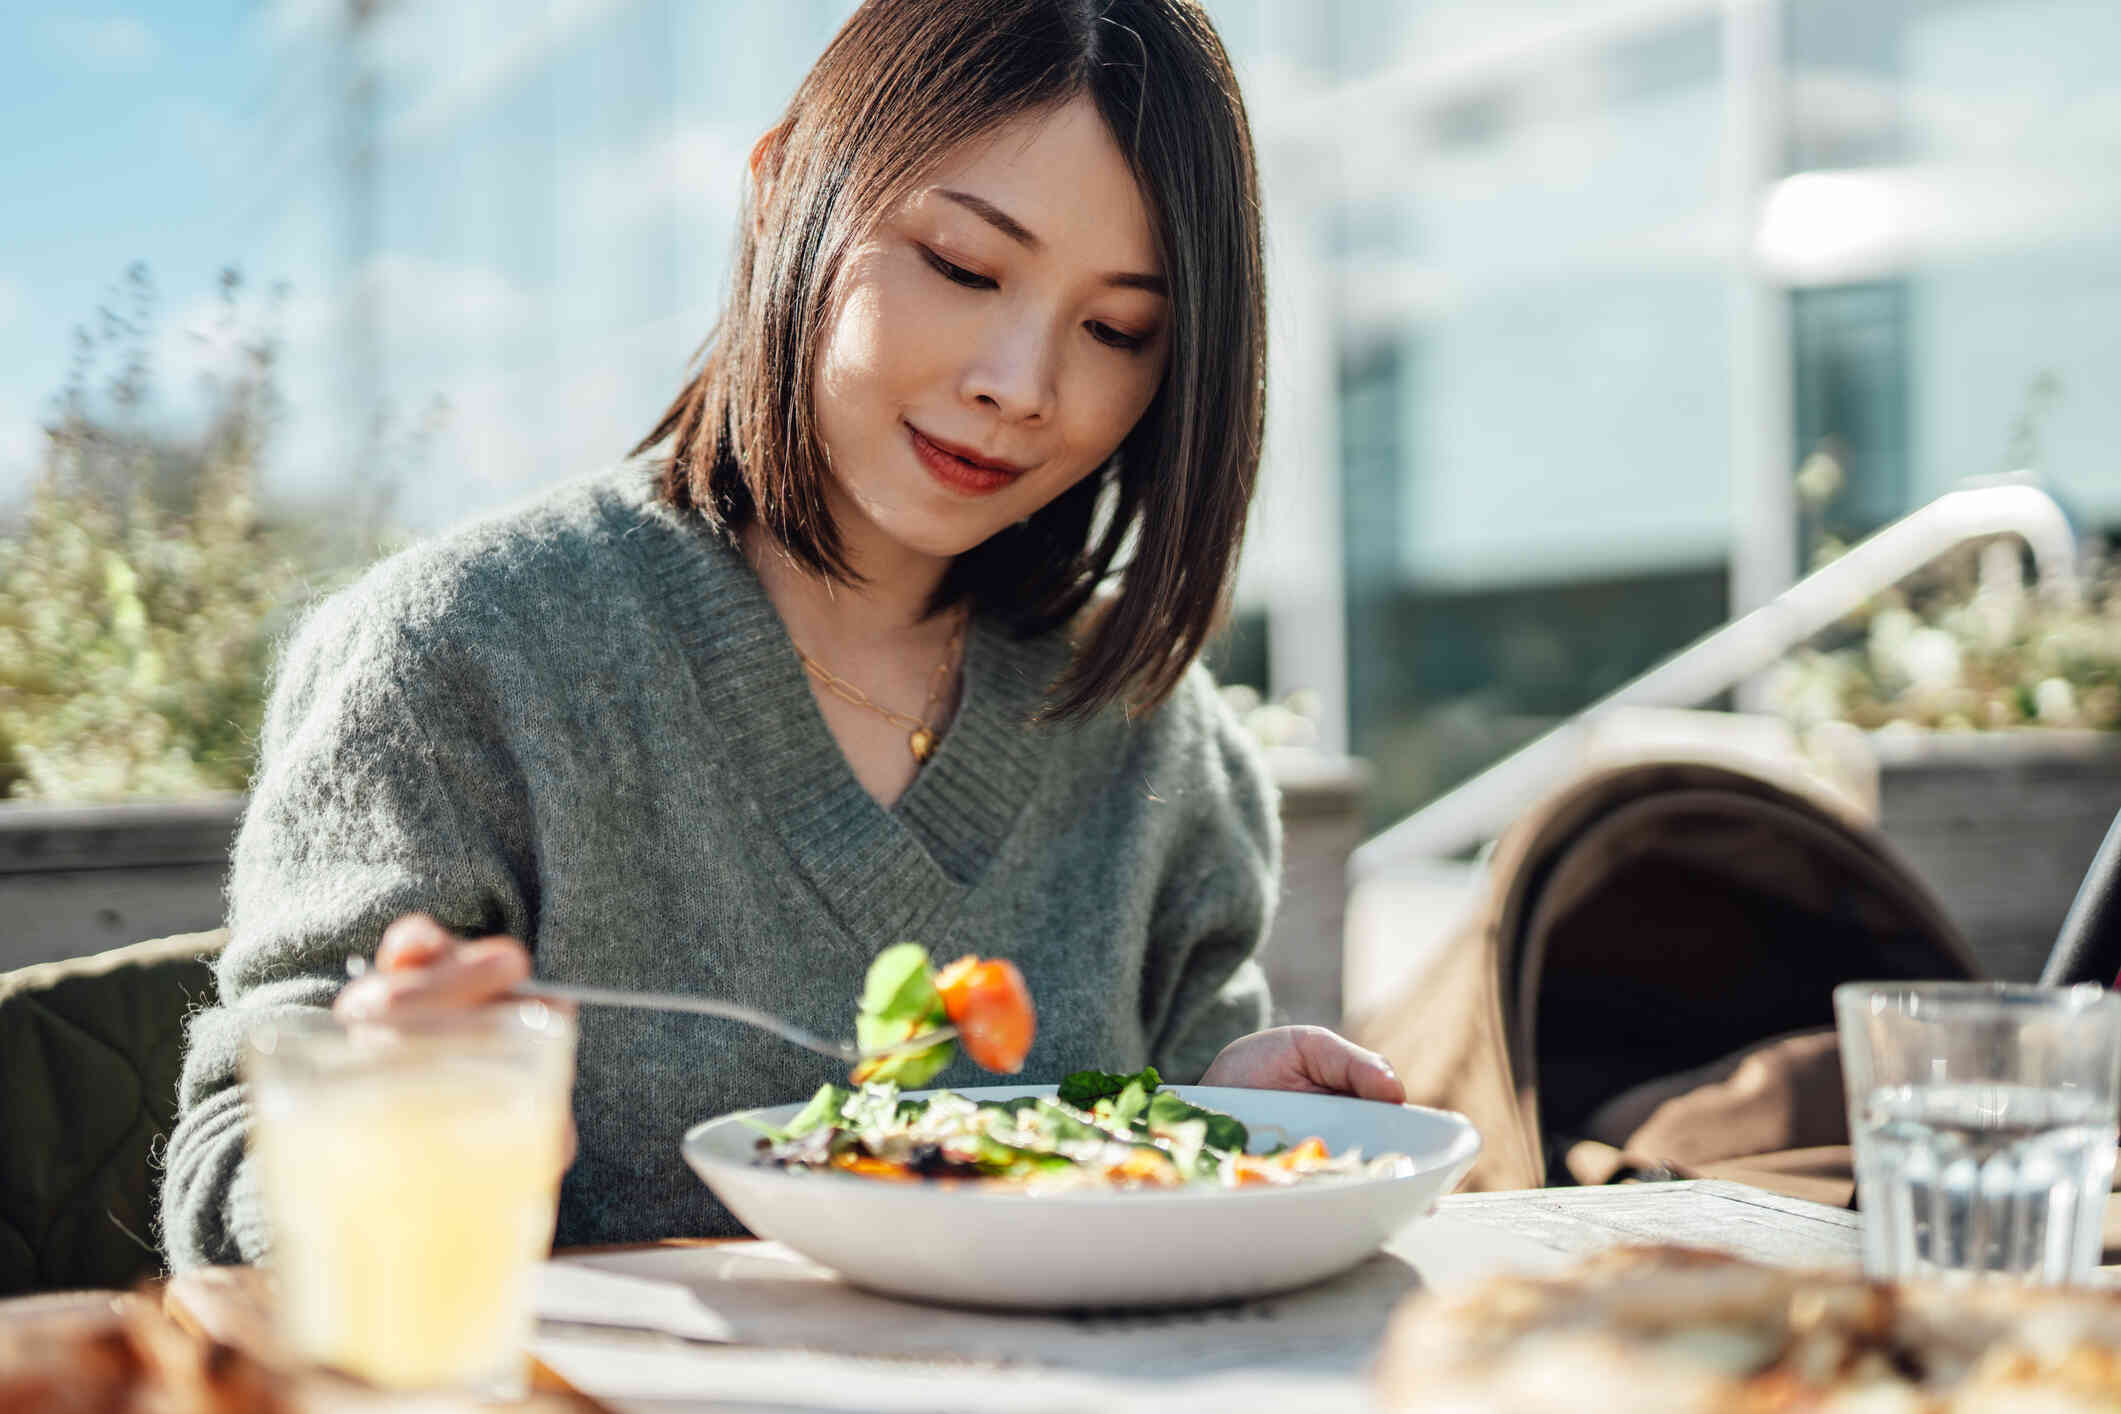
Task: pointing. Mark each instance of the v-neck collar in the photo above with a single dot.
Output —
(887, 873)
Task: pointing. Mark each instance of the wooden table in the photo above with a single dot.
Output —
(770, 1331)
(1308, 1351)
(1474, 1234)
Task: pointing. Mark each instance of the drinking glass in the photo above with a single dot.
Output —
(410, 1174)
(1983, 1121)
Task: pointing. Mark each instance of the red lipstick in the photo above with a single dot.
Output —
(960, 468)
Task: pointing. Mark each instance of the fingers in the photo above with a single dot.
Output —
(1306, 1058)
(472, 974)
(1375, 1079)
(422, 968)
(415, 940)
(1334, 1063)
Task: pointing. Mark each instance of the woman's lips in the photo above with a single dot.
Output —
(972, 478)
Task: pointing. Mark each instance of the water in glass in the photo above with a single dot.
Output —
(1983, 1178)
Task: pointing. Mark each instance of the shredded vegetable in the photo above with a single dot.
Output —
(1102, 1131)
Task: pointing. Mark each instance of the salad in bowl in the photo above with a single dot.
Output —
(1110, 1189)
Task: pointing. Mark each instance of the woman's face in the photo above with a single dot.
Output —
(995, 340)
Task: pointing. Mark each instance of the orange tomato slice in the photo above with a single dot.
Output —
(990, 1006)
(870, 1167)
(1147, 1166)
(1311, 1151)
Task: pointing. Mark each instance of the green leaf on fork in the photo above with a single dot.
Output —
(899, 1000)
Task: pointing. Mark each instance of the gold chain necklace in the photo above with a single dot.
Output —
(922, 738)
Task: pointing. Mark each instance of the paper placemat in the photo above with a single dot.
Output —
(733, 1380)
(765, 1296)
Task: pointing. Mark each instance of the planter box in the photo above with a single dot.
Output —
(2001, 826)
(78, 879)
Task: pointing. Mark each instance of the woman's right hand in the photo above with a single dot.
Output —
(422, 968)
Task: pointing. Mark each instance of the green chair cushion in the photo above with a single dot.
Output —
(90, 1048)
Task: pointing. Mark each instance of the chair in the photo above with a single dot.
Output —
(91, 1049)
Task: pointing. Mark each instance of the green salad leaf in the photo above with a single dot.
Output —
(1086, 1087)
(1061, 1122)
(1007, 1160)
(824, 1108)
(1166, 1112)
(1131, 1102)
(899, 1000)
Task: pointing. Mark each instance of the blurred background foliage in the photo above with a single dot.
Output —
(1967, 645)
(143, 582)
(143, 585)
(1563, 293)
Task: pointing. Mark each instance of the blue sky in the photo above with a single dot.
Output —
(192, 135)
(125, 128)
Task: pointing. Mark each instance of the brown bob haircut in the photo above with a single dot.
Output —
(904, 80)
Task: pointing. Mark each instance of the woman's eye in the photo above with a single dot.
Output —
(957, 274)
(1119, 339)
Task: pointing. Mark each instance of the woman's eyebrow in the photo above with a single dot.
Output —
(1016, 231)
(994, 216)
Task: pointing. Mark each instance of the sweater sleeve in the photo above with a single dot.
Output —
(1204, 984)
(383, 788)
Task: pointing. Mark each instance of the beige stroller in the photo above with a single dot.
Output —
(1644, 989)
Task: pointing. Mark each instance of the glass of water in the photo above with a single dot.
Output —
(1983, 1120)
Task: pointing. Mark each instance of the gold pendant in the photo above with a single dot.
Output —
(923, 743)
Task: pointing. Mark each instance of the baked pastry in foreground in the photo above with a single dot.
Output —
(1663, 1328)
(125, 1356)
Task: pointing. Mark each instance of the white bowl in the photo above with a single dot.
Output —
(980, 1247)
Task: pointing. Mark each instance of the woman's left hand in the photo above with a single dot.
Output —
(1308, 1058)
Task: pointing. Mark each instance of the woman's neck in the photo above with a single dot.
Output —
(885, 676)
(887, 609)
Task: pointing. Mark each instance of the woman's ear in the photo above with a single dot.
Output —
(765, 166)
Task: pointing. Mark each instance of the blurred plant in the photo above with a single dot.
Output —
(1967, 647)
(1293, 721)
(1964, 645)
(140, 588)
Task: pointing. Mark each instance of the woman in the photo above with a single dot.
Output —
(820, 668)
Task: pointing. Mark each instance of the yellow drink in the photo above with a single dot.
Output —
(411, 1179)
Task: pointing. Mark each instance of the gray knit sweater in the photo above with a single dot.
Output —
(582, 724)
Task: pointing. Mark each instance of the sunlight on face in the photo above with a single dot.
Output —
(995, 341)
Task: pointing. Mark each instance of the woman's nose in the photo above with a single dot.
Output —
(1014, 373)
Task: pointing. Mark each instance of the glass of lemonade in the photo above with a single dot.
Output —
(1983, 1120)
(410, 1174)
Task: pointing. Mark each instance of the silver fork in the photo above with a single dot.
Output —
(707, 1006)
